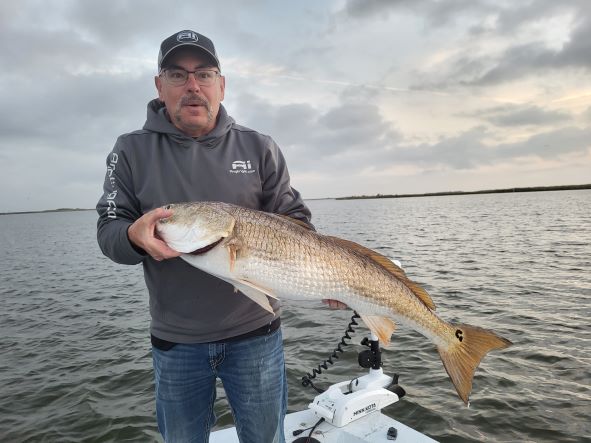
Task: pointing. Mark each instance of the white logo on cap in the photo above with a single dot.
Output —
(186, 35)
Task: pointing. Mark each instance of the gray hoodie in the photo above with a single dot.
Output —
(159, 165)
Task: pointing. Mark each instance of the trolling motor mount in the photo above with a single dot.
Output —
(348, 401)
(372, 357)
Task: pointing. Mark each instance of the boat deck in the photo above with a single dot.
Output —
(372, 428)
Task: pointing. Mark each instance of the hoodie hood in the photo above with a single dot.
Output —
(157, 121)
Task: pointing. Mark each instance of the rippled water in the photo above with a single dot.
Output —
(75, 355)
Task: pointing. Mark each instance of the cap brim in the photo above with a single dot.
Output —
(192, 45)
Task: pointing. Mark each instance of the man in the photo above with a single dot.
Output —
(188, 150)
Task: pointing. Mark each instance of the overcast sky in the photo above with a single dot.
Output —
(363, 96)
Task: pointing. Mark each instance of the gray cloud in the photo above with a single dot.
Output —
(491, 19)
(519, 115)
(502, 18)
(509, 18)
(463, 151)
(73, 112)
(345, 135)
(533, 59)
(550, 144)
(469, 150)
(356, 136)
(437, 13)
(522, 59)
(49, 50)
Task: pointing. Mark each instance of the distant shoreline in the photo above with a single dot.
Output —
(47, 210)
(486, 191)
(361, 197)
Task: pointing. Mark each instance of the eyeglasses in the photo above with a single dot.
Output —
(180, 76)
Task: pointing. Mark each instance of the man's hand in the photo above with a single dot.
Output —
(142, 233)
(334, 304)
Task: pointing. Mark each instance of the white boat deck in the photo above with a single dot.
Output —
(372, 428)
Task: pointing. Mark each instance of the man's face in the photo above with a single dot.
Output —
(192, 108)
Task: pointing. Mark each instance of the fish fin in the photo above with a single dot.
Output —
(461, 358)
(256, 296)
(303, 224)
(268, 292)
(233, 252)
(382, 327)
(387, 264)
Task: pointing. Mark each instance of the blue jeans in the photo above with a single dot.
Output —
(253, 374)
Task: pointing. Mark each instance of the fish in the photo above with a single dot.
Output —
(274, 256)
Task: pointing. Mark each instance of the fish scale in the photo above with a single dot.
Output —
(266, 255)
(328, 271)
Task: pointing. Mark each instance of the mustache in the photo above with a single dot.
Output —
(191, 99)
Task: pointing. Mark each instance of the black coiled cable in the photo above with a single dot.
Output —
(307, 379)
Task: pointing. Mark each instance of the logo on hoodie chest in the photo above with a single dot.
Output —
(241, 167)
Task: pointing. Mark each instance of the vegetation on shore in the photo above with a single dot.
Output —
(47, 210)
(487, 191)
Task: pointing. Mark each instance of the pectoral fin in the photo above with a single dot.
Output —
(235, 250)
(268, 292)
(256, 296)
(382, 327)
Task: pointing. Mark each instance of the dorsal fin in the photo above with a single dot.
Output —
(387, 264)
(303, 224)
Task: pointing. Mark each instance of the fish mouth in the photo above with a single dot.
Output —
(204, 249)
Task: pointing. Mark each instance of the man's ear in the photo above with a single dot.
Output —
(222, 86)
(158, 84)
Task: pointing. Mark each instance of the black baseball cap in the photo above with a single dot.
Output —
(187, 38)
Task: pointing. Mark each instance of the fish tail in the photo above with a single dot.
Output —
(468, 347)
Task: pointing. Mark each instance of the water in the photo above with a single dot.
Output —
(75, 359)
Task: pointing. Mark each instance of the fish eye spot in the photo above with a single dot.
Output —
(459, 335)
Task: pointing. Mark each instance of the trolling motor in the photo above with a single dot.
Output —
(350, 400)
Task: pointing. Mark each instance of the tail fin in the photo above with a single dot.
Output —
(463, 356)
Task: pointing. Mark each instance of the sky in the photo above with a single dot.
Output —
(364, 97)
